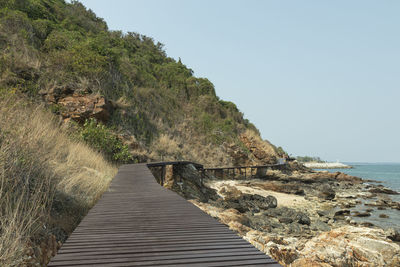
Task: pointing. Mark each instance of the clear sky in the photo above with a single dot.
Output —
(319, 78)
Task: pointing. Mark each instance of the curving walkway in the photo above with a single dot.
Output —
(139, 223)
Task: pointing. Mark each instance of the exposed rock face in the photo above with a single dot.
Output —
(77, 104)
(351, 246)
(239, 157)
(261, 150)
(82, 107)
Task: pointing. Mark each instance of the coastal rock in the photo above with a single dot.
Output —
(302, 262)
(383, 190)
(319, 225)
(285, 220)
(230, 192)
(248, 202)
(338, 176)
(284, 214)
(346, 246)
(326, 192)
(340, 214)
(232, 215)
(361, 214)
(347, 178)
(288, 188)
(263, 223)
(367, 224)
(392, 234)
(285, 255)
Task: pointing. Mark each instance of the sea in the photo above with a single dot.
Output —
(389, 176)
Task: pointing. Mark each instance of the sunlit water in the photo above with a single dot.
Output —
(389, 175)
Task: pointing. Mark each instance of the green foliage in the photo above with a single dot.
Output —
(309, 159)
(216, 130)
(98, 136)
(52, 43)
(136, 123)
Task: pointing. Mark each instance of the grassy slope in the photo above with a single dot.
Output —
(47, 181)
(48, 44)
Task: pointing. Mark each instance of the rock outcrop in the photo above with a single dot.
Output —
(262, 151)
(82, 107)
(350, 246)
(323, 220)
(78, 105)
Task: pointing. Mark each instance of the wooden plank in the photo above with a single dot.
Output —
(139, 223)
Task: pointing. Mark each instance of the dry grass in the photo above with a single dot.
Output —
(47, 180)
(165, 148)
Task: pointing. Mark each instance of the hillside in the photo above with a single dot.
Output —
(121, 86)
(77, 100)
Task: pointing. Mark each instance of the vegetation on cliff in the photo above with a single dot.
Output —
(75, 100)
(309, 159)
(64, 54)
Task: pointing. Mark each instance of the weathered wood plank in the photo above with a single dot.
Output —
(139, 223)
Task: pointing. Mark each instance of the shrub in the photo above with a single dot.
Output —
(101, 138)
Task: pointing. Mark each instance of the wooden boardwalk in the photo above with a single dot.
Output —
(139, 223)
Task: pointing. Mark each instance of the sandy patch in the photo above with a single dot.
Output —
(283, 199)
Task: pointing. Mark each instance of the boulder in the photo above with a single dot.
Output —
(383, 190)
(283, 213)
(361, 214)
(352, 246)
(340, 214)
(263, 223)
(393, 234)
(285, 255)
(246, 202)
(302, 218)
(325, 191)
(319, 225)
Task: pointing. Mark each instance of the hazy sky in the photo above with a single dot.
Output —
(318, 78)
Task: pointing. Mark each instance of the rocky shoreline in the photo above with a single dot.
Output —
(298, 216)
(327, 165)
